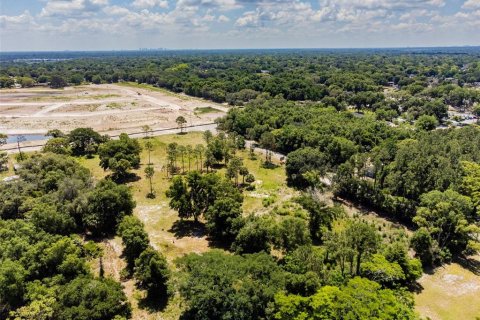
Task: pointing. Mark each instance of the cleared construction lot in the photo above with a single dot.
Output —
(107, 108)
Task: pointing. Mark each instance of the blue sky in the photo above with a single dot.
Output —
(190, 24)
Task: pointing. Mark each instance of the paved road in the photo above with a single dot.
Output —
(37, 145)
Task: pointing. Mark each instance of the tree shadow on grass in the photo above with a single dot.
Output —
(269, 165)
(430, 270)
(153, 303)
(415, 287)
(130, 177)
(469, 263)
(188, 228)
(218, 166)
(219, 243)
(97, 238)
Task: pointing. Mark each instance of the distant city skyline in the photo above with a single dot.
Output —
(53, 25)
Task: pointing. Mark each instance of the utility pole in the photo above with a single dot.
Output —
(20, 138)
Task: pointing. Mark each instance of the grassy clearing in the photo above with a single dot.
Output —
(204, 110)
(269, 183)
(93, 165)
(451, 293)
(390, 230)
(160, 220)
(156, 213)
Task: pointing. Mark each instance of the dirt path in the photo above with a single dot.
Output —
(151, 99)
(77, 101)
(44, 112)
(49, 109)
(275, 155)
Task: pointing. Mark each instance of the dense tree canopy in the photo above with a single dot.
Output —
(359, 299)
(42, 272)
(120, 155)
(107, 204)
(222, 286)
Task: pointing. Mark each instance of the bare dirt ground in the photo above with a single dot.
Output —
(106, 108)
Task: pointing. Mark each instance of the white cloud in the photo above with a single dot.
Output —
(459, 20)
(20, 22)
(471, 4)
(116, 11)
(71, 7)
(223, 18)
(150, 3)
(99, 2)
(385, 4)
(208, 17)
(340, 15)
(250, 19)
(279, 13)
(223, 5)
(271, 22)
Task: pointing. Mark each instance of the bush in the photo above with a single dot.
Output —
(88, 298)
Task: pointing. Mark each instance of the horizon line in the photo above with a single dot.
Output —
(143, 49)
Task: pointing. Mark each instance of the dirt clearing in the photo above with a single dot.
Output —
(107, 108)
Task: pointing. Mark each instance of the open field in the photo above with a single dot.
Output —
(451, 292)
(107, 108)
